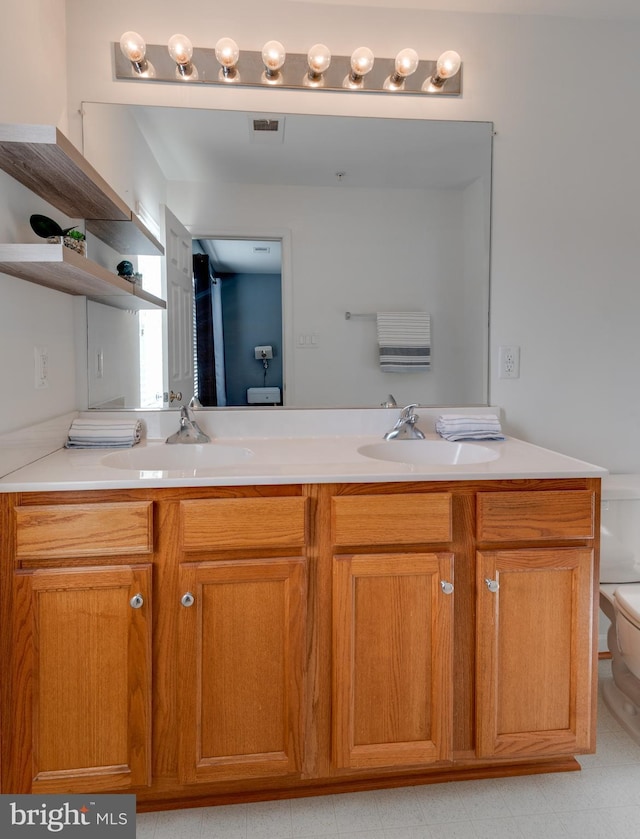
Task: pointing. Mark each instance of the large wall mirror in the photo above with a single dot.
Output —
(368, 215)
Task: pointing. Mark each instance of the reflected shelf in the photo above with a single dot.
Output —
(41, 158)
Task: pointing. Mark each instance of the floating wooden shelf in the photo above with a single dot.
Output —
(61, 268)
(41, 158)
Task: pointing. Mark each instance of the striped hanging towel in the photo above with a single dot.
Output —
(404, 341)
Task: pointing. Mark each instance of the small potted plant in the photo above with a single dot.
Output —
(75, 240)
(50, 230)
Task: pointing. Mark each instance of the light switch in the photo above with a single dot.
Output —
(309, 341)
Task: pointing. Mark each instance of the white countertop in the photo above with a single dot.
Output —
(288, 460)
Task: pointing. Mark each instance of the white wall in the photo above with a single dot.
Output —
(31, 316)
(565, 249)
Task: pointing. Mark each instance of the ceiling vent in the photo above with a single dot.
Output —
(266, 129)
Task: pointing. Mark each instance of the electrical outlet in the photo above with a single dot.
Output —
(509, 362)
(41, 358)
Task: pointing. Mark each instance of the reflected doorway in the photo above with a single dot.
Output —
(238, 346)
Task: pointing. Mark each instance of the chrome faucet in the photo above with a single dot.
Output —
(189, 431)
(405, 427)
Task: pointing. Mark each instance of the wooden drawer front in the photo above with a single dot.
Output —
(391, 519)
(243, 523)
(513, 516)
(71, 530)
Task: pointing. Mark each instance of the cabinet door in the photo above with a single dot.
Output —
(392, 666)
(83, 661)
(242, 636)
(535, 655)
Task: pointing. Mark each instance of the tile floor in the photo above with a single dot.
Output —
(603, 800)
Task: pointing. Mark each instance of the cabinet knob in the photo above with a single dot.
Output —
(446, 587)
(492, 585)
(136, 601)
(187, 599)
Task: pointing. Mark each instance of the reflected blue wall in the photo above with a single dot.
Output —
(252, 316)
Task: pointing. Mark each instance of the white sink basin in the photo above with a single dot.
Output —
(185, 459)
(429, 452)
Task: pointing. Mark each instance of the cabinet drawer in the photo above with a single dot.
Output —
(512, 516)
(243, 523)
(75, 530)
(391, 519)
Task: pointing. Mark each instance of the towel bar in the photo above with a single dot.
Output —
(351, 315)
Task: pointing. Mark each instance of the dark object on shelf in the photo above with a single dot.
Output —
(125, 269)
(44, 227)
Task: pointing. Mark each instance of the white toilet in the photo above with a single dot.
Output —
(620, 596)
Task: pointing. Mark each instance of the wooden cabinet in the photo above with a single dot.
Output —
(541, 516)
(305, 638)
(243, 523)
(241, 636)
(398, 518)
(392, 667)
(534, 664)
(83, 671)
(49, 531)
(76, 589)
(392, 630)
(241, 654)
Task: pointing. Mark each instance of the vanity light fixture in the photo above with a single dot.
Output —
(227, 54)
(447, 66)
(317, 69)
(133, 48)
(405, 64)
(273, 57)
(181, 50)
(319, 61)
(362, 61)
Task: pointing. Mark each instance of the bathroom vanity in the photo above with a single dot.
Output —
(246, 635)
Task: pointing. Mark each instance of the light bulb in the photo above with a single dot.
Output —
(361, 63)
(448, 64)
(319, 59)
(273, 56)
(133, 47)
(446, 67)
(181, 50)
(406, 63)
(227, 53)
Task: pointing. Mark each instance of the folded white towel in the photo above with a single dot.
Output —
(102, 433)
(404, 341)
(457, 427)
